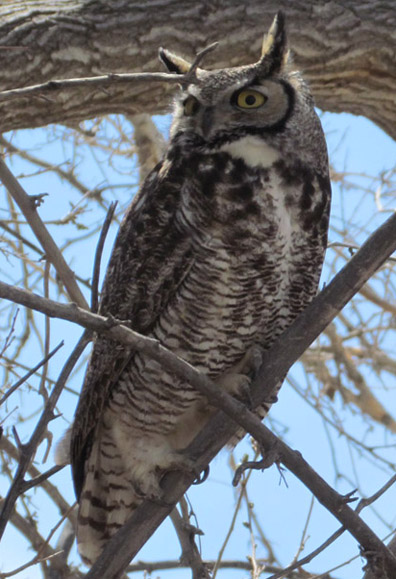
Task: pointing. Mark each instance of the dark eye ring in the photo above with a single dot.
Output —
(191, 106)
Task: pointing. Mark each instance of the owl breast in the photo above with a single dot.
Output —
(254, 266)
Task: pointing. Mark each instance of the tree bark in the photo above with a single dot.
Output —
(345, 49)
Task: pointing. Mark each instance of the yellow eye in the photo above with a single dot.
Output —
(250, 99)
(191, 106)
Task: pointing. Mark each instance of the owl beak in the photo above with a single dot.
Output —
(207, 121)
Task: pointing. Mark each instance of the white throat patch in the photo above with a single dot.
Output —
(253, 151)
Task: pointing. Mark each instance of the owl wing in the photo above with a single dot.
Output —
(150, 258)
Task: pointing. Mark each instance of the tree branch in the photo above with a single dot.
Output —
(102, 82)
(19, 382)
(28, 450)
(346, 50)
(8, 448)
(151, 567)
(277, 361)
(98, 257)
(190, 555)
(52, 252)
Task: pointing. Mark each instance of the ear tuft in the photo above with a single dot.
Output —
(173, 62)
(274, 51)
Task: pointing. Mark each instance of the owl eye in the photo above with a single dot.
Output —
(249, 99)
(191, 106)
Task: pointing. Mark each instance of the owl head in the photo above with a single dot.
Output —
(266, 99)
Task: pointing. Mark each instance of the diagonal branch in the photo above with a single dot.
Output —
(127, 542)
(28, 207)
(214, 436)
(28, 450)
(32, 371)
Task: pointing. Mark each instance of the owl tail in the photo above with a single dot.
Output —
(106, 502)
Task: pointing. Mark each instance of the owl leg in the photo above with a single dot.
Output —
(251, 361)
(237, 380)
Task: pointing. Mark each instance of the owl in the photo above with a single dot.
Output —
(220, 251)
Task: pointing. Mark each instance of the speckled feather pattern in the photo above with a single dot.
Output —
(215, 254)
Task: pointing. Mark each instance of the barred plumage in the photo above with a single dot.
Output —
(221, 249)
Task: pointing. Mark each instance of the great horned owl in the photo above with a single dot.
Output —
(220, 250)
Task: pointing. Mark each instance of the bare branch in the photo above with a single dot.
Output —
(7, 447)
(27, 451)
(103, 82)
(276, 363)
(190, 554)
(17, 384)
(151, 567)
(28, 208)
(98, 257)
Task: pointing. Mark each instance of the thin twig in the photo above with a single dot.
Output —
(17, 384)
(98, 257)
(9, 337)
(52, 252)
(27, 451)
(190, 555)
(100, 82)
(28, 484)
(231, 528)
(150, 567)
(308, 558)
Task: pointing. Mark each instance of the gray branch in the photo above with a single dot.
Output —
(127, 542)
(345, 49)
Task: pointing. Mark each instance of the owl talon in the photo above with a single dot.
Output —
(252, 360)
(203, 475)
(187, 466)
(148, 491)
(234, 383)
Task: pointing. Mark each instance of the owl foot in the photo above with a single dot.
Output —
(238, 379)
(202, 476)
(149, 489)
(236, 384)
(186, 465)
(270, 457)
(251, 362)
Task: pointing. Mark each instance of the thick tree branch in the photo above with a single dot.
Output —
(345, 49)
